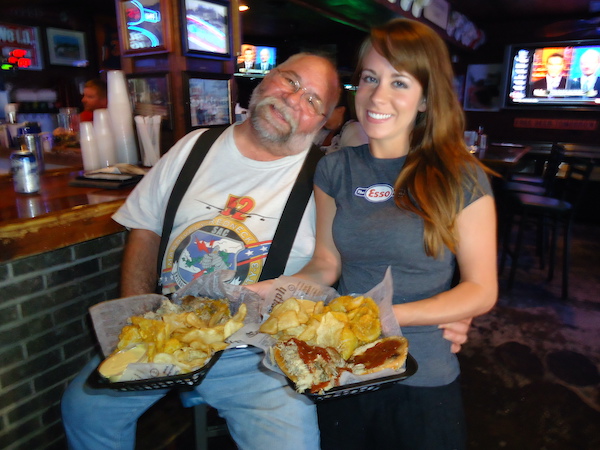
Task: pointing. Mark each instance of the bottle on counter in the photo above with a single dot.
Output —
(24, 170)
(481, 140)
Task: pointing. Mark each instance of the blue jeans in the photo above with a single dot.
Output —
(261, 410)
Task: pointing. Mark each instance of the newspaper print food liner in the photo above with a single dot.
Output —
(285, 287)
(111, 316)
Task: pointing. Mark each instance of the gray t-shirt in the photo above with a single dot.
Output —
(372, 233)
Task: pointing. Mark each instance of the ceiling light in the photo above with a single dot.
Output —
(243, 8)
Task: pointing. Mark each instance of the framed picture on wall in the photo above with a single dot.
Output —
(66, 47)
(209, 101)
(143, 25)
(206, 29)
(150, 96)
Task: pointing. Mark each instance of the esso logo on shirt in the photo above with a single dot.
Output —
(376, 193)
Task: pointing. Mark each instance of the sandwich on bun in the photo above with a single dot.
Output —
(309, 367)
(385, 353)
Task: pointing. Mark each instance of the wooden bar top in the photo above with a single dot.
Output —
(57, 216)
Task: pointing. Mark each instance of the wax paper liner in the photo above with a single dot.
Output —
(111, 316)
(286, 287)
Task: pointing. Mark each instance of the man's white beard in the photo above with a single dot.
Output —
(280, 142)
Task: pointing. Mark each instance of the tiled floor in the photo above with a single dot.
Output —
(531, 367)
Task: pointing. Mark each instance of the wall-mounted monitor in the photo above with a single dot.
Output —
(255, 60)
(553, 75)
(206, 28)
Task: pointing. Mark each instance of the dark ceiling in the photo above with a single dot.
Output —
(280, 19)
(295, 22)
(527, 19)
(487, 12)
(542, 19)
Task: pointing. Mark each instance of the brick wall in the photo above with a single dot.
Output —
(46, 336)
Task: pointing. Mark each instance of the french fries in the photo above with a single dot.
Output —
(184, 336)
(344, 324)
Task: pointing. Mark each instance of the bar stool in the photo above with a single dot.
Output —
(539, 185)
(556, 210)
(202, 430)
(542, 185)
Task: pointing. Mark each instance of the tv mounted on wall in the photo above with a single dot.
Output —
(553, 75)
(206, 28)
(255, 61)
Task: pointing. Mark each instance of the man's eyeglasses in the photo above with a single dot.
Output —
(288, 82)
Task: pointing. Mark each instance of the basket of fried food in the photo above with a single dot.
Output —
(174, 345)
(335, 349)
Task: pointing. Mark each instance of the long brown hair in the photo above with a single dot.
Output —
(438, 164)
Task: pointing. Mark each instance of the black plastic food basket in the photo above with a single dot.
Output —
(183, 380)
(363, 386)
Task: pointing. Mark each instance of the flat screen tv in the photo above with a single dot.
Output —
(255, 60)
(553, 75)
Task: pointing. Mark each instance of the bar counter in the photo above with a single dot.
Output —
(57, 216)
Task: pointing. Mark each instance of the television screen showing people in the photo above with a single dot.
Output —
(554, 75)
(256, 60)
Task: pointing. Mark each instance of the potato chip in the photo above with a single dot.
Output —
(310, 331)
(367, 327)
(342, 317)
(295, 331)
(291, 304)
(193, 320)
(329, 331)
(218, 346)
(240, 315)
(288, 319)
(129, 335)
(303, 316)
(206, 335)
(269, 326)
(221, 313)
(230, 327)
(319, 308)
(200, 345)
(339, 303)
(165, 358)
(348, 342)
(307, 306)
(175, 321)
(186, 335)
(171, 345)
(344, 324)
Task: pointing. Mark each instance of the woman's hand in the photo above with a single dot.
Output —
(262, 288)
(456, 332)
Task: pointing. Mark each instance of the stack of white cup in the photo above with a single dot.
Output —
(89, 147)
(121, 118)
(105, 142)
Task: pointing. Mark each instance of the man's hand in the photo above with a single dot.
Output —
(456, 332)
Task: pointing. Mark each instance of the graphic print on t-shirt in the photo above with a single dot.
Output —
(221, 243)
(375, 193)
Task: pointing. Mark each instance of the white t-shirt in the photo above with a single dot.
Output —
(227, 217)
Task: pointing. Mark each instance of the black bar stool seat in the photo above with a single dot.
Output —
(546, 212)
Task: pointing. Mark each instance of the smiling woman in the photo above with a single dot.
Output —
(440, 216)
(387, 104)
